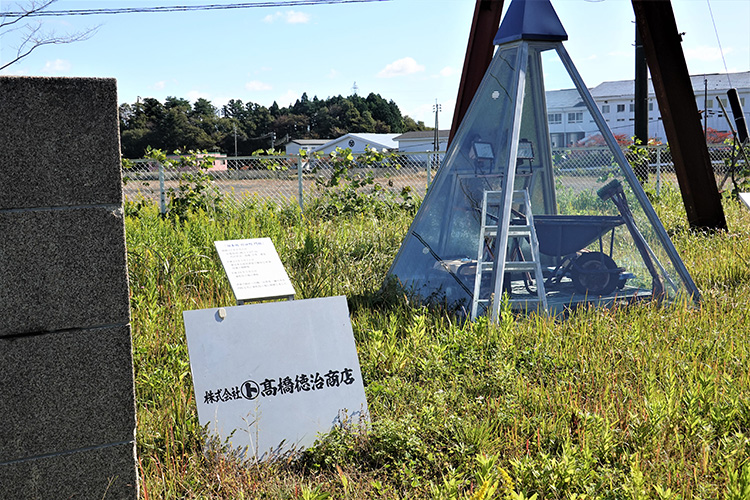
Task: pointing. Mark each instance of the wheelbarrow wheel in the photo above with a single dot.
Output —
(595, 273)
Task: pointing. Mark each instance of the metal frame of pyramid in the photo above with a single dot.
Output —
(453, 256)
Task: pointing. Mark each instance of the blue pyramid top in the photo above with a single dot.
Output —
(530, 20)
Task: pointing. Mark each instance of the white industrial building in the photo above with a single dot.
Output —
(357, 142)
(570, 122)
(422, 140)
(295, 146)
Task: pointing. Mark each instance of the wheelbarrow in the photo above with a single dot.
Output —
(564, 237)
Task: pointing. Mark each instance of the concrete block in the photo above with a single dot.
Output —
(65, 391)
(107, 473)
(62, 269)
(59, 142)
(66, 370)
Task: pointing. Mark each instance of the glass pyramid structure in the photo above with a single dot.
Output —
(535, 216)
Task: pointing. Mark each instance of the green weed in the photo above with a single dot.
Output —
(624, 403)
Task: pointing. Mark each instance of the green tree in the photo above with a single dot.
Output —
(178, 124)
(140, 126)
(295, 126)
(210, 129)
(385, 112)
(303, 106)
(275, 110)
(413, 126)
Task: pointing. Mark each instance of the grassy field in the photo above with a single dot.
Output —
(631, 403)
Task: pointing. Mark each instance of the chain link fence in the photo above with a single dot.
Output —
(281, 179)
(295, 179)
(585, 167)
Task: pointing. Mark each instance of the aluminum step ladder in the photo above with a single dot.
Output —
(514, 228)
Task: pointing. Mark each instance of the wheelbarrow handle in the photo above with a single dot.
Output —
(613, 189)
(610, 189)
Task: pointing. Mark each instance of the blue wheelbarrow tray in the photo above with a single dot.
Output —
(563, 235)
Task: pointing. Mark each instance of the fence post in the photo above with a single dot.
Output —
(162, 193)
(300, 192)
(658, 170)
(430, 159)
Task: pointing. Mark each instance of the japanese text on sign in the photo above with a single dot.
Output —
(254, 269)
(283, 385)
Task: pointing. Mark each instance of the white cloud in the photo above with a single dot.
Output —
(333, 74)
(57, 66)
(294, 17)
(705, 53)
(160, 85)
(447, 71)
(401, 67)
(12, 71)
(288, 98)
(194, 95)
(422, 112)
(290, 16)
(426, 113)
(220, 101)
(257, 85)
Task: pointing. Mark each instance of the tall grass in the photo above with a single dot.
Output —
(637, 402)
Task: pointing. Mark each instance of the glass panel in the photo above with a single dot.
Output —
(601, 223)
(599, 238)
(436, 259)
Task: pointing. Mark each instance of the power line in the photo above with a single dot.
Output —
(718, 41)
(180, 8)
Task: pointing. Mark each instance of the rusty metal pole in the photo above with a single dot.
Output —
(679, 112)
(479, 53)
(640, 130)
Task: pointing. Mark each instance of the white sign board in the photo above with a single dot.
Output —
(745, 197)
(273, 373)
(254, 269)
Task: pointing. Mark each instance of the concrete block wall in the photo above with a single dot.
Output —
(66, 370)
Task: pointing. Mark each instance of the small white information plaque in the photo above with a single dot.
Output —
(254, 269)
(745, 197)
(270, 377)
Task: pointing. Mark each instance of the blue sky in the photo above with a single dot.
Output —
(410, 51)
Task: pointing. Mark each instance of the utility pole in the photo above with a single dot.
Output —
(705, 108)
(436, 108)
(235, 139)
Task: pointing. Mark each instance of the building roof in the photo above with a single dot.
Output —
(380, 139)
(422, 134)
(309, 142)
(724, 81)
(372, 140)
(617, 88)
(714, 82)
(566, 98)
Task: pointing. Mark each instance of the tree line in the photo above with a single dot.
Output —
(242, 128)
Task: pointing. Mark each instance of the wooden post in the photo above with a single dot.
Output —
(640, 131)
(479, 52)
(679, 111)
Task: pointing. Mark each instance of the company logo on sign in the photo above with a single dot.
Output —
(269, 388)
